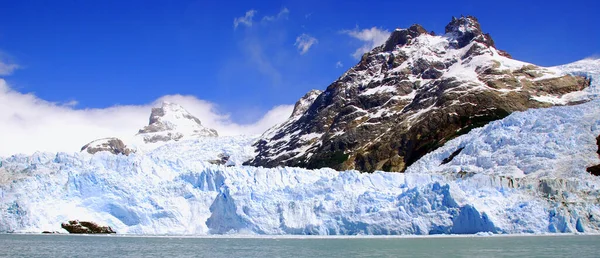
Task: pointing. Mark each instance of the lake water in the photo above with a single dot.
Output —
(14, 245)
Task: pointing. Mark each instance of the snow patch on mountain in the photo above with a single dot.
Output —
(410, 95)
(172, 122)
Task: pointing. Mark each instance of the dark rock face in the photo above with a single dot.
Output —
(86, 227)
(112, 145)
(401, 37)
(407, 98)
(451, 157)
(467, 29)
(304, 103)
(595, 170)
(221, 160)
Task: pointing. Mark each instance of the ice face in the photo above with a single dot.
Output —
(523, 174)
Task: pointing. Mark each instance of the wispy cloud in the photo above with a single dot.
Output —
(244, 20)
(262, 61)
(32, 124)
(7, 69)
(283, 14)
(304, 42)
(371, 38)
(339, 64)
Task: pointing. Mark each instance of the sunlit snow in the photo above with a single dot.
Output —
(522, 174)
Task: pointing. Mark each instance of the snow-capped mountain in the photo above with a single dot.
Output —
(525, 173)
(168, 123)
(171, 122)
(409, 97)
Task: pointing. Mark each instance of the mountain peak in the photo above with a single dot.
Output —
(304, 103)
(408, 97)
(463, 24)
(466, 29)
(172, 122)
(402, 36)
(169, 113)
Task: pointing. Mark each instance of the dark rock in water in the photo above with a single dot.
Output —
(86, 227)
(112, 145)
(50, 232)
(451, 157)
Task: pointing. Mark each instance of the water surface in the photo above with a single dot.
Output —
(580, 246)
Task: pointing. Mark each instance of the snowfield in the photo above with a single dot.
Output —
(523, 174)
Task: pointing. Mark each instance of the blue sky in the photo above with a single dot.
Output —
(106, 53)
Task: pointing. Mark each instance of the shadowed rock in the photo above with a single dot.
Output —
(112, 145)
(451, 157)
(595, 170)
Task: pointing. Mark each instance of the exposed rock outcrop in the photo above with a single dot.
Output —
(408, 97)
(171, 122)
(86, 227)
(304, 103)
(466, 30)
(112, 145)
(595, 170)
(222, 159)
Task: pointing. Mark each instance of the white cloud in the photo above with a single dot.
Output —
(304, 42)
(339, 64)
(283, 14)
(371, 38)
(7, 69)
(244, 20)
(32, 124)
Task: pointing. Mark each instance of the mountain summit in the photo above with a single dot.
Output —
(172, 122)
(169, 122)
(410, 96)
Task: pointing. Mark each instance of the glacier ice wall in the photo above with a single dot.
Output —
(173, 190)
(523, 174)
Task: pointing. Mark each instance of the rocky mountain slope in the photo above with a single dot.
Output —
(410, 96)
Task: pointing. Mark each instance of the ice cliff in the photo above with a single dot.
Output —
(522, 174)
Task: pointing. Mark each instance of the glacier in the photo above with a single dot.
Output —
(522, 174)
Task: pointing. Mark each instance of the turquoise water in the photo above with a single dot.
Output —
(13, 245)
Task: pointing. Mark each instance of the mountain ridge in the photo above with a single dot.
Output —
(409, 96)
